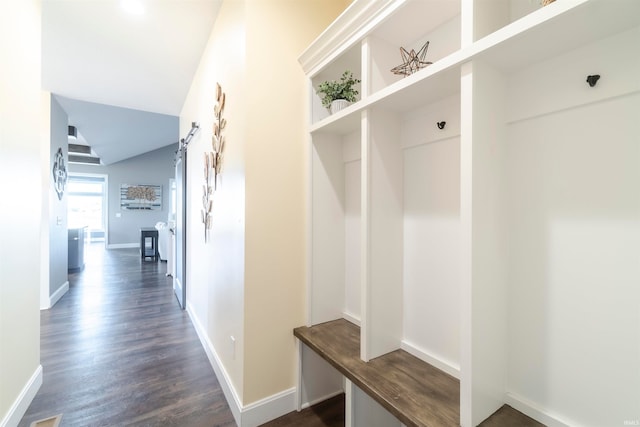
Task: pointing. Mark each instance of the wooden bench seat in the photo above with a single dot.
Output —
(415, 392)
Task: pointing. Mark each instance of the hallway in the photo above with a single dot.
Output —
(116, 350)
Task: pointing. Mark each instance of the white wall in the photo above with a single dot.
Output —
(573, 174)
(22, 219)
(432, 233)
(575, 239)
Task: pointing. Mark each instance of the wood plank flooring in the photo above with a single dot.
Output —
(506, 416)
(117, 350)
(329, 413)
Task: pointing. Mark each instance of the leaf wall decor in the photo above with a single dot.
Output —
(213, 160)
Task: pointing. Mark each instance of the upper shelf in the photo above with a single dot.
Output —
(430, 84)
(559, 27)
(542, 34)
(398, 22)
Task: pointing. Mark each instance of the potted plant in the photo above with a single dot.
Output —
(337, 94)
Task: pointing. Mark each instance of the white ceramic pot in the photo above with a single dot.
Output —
(337, 105)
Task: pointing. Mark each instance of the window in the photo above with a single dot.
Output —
(86, 204)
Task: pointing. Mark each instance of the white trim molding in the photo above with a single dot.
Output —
(314, 402)
(223, 377)
(123, 245)
(536, 412)
(55, 297)
(255, 413)
(269, 408)
(352, 318)
(439, 362)
(352, 25)
(20, 406)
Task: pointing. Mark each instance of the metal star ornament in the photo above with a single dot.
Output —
(412, 61)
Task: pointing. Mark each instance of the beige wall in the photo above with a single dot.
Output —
(22, 171)
(249, 280)
(276, 175)
(215, 271)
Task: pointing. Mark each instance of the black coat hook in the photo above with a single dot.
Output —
(441, 124)
(592, 80)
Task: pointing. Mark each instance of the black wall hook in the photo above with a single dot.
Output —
(592, 80)
(441, 124)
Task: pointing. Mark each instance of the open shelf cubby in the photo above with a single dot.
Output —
(478, 217)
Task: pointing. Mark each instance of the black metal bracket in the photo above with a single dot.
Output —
(184, 142)
(592, 80)
(441, 125)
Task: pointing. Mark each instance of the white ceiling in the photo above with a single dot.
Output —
(95, 51)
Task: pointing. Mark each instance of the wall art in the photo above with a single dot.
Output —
(141, 197)
(213, 160)
(59, 173)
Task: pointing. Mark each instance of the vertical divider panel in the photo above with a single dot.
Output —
(382, 234)
(348, 403)
(366, 86)
(365, 214)
(485, 285)
(466, 164)
(366, 69)
(466, 22)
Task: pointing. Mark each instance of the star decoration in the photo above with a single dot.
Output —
(412, 61)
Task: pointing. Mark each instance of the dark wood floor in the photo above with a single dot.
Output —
(506, 416)
(329, 413)
(117, 350)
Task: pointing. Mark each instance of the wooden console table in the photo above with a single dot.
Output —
(152, 251)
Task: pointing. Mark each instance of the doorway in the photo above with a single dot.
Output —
(87, 205)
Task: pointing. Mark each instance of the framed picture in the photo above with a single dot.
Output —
(141, 197)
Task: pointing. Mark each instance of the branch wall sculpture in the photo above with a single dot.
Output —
(213, 161)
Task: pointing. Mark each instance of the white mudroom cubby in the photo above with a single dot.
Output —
(477, 221)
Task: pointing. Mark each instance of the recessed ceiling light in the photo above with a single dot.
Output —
(132, 7)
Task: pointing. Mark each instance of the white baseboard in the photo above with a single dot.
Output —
(123, 245)
(256, 413)
(536, 412)
(442, 364)
(351, 318)
(223, 377)
(59, 293)
(21, 404)
(269, 408)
